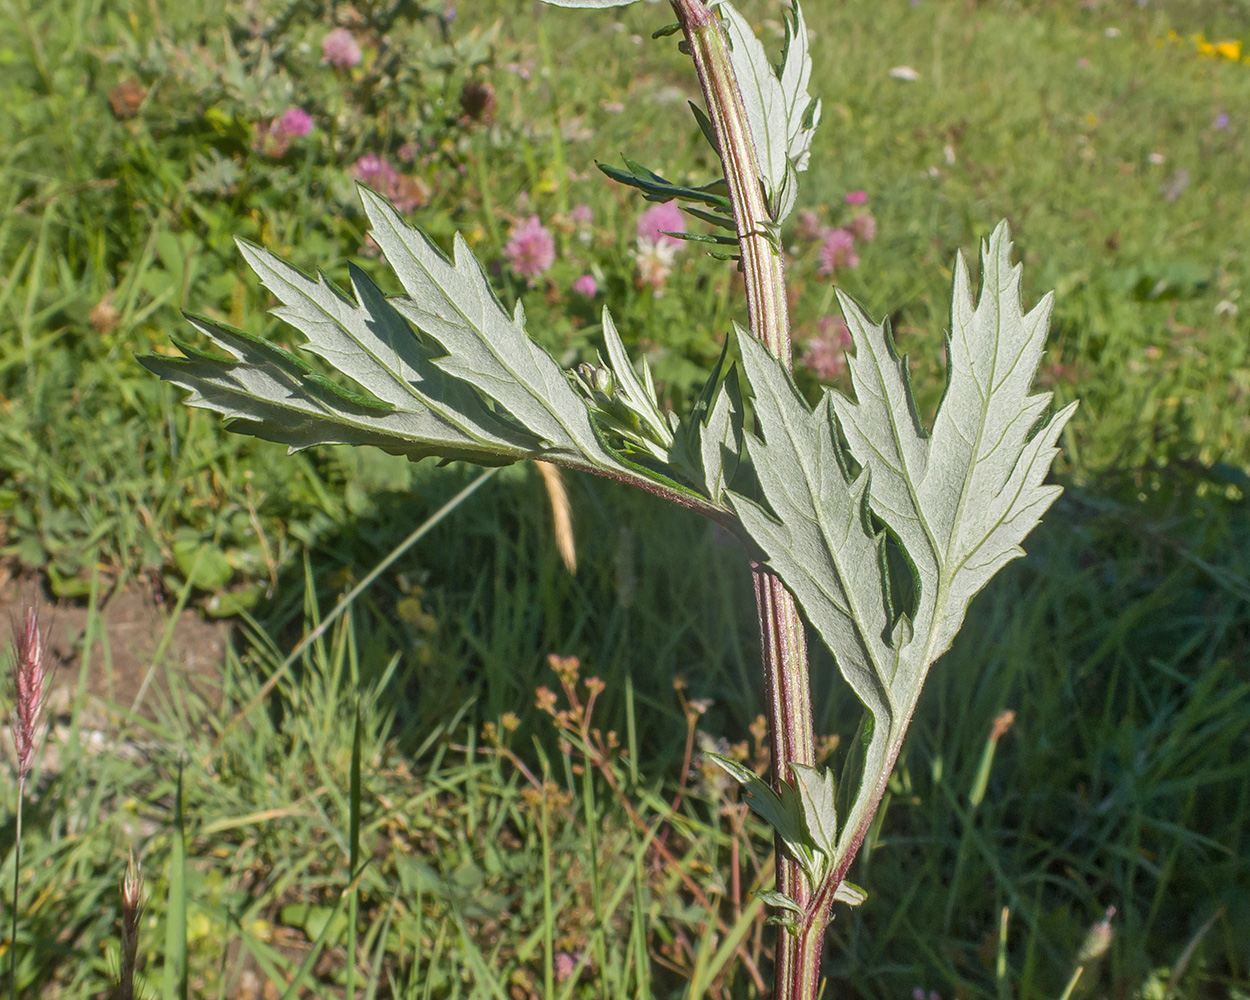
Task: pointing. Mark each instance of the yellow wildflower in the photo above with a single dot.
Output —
(1229, 50)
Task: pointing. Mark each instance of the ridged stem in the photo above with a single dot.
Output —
(761, 256)
(781, 629)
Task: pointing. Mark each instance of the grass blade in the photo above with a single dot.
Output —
(353, 836)
(176, 917)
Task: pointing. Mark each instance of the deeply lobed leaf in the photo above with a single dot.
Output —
(442, 371)
(818, 536)
(959, 501)
(453, 302)
(373, 345)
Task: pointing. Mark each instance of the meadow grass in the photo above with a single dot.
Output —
(508, 862)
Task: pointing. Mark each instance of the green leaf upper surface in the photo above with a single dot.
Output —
(452, 302)
(802, 813)
(273, 394)
(780, 901)
(656, 188)
(443, 371)
(782, 812)
(781, 114)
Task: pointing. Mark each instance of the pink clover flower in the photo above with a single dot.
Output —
(531, 250)
(658, 220)
(340, 49)
(838, 251)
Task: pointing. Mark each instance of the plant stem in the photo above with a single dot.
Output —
(782, 637)
(17, 885)
(761, 257)
(790, 730)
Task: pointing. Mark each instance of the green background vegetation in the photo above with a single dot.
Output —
(1121, 640)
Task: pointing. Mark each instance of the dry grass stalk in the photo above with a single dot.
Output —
(561, 514)
(132, 910)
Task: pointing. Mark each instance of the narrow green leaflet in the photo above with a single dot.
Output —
(780, 900)
(656, 188)
(782, 812)
(781, 114)
(589, 3)
(802, 815)
(707, 444)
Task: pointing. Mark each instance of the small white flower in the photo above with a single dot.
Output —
(905, 73)
(1156, 158)
(655, 261)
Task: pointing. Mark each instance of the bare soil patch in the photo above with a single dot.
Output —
(136, 646)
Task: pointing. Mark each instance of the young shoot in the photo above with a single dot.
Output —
(443, 371)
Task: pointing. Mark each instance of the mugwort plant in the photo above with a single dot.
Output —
(866, 526)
